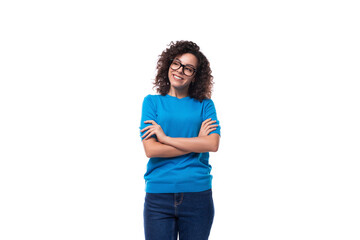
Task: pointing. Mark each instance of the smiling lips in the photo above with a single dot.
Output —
(177, 77)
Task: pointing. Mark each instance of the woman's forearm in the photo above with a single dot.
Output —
(161, 150)
(194, 144)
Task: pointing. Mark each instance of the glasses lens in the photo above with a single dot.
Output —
(189, 71)
(175, 65)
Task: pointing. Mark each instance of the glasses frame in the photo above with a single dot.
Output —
(182, 66)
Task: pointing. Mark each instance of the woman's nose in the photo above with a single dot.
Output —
(180, 70)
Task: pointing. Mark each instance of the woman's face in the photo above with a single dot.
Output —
(178, 78)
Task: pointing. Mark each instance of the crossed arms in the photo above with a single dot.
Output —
(172, 147)
(179, 146)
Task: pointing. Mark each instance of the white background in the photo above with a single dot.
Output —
(73, 77)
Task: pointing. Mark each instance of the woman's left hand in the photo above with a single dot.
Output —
(154, 129)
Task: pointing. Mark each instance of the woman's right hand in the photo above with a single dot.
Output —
(206, 128)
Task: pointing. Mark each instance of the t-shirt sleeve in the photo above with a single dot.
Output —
(148, 113)
(210, 112)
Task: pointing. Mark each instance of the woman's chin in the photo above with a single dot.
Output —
(178, 86)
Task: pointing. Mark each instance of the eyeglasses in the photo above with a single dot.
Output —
(187, 69)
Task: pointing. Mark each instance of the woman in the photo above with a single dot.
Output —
(178, 131)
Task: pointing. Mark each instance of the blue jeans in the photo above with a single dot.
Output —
(190, 214)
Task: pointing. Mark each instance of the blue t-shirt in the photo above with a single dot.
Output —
(178, 118)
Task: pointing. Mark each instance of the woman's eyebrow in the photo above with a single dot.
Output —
(185, 64)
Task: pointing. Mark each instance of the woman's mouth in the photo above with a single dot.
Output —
(177, 77)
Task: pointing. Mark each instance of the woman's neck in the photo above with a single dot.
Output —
(178, 94)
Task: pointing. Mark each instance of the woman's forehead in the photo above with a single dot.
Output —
(187, 59)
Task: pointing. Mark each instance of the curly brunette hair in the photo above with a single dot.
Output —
(202, 87)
